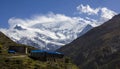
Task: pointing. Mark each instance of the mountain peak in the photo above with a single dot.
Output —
(19, 27)
(47, 36)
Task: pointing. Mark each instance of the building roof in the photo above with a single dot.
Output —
(34, 51)
(54, 52)
(42, 51)
(11, 51)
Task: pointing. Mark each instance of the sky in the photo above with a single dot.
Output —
(12, 11)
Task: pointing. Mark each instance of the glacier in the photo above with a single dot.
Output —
(48, 32)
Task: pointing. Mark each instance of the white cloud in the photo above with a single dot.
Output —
(52, 19)
(42, 19)
(107, 13)
(87, 9)
(57, 26)
(103, 14)
(46, 24)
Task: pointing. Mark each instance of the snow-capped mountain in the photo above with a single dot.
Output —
(48, 32)
(47, 36)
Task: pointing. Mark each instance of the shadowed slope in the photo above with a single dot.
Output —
(100, 42)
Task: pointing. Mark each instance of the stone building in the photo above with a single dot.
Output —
(18, 49)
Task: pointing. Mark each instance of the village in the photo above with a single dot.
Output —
(19, 56)
(36, 54)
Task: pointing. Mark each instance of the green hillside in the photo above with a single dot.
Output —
(8, 62)
(5, 42)
(22, 61)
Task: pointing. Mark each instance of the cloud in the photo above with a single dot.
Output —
(50, 18)
(87, 9)
(47, 24)
(57, 27)
(102, 13)
(107, 13)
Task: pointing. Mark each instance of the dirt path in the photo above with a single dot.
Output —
(19, 56)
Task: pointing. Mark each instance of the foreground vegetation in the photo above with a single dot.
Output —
(9, 62)
(22, 61)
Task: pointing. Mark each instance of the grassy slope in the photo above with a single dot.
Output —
(6, 62)
(6, 42)
(9, 62)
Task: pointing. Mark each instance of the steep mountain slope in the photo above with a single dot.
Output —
(48, 36)
(5, 42)
(97, 49)
(86, 29)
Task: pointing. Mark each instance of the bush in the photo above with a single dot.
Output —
(67, 60)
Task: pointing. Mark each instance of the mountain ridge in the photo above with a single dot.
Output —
(94, 42)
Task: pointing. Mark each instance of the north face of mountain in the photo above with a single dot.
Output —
(98, 48)
(86, 29)
(48, 36)
(17, 27)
